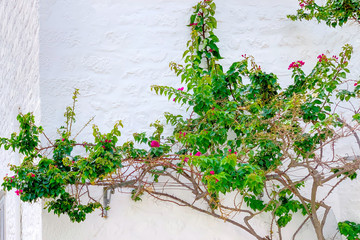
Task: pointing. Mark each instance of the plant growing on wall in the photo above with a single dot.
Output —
(333, 12)
(269, 149)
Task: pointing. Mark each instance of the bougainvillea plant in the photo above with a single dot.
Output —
(244, 137)
(333, 12)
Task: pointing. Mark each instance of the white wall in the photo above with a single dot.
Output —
(19, 91)
(115, 50)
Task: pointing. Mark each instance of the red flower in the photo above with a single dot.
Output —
(186, 159)
(198, 154)
(18, 192)
(212, 172)
(155, 144)
(211, 50)
(63, 139)
(355, 84)
(322, 57)
(296, 64)
(216, 180)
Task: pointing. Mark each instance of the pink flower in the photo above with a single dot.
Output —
(297, 64)
(193, 24)
(355, 84)
(184, 134)
(216, 180)
(63, 139)
(198, 154)
(18, 192)
(186, 159)
(155, 144)
(181, 89)
(12, 176)
(235, 153)
(174, 99)
(212, 172)
(211, 50)
(229, 150)
(304, 3)
(322, 57)
(103, 147)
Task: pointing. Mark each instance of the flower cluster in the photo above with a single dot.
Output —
(31, 174)
(9, 179)
(296, 64)
(322, 57)
(231, 151)
(155, 144)
(304, 3)
(19, 191)
(196, 154)
(182, 134)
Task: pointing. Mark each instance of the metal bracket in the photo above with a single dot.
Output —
(107, 191)
(107, 198)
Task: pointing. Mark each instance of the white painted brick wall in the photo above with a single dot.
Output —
(19, 91)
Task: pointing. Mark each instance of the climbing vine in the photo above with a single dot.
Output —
(333, 12)
(274, 148)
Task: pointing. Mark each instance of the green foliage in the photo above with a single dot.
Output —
(350, 230)
(244, 134)
(333, 12)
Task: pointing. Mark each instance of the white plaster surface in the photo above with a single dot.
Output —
(19, 91)
(114, 50)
